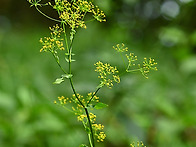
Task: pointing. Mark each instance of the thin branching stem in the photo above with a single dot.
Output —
(91, 140)
(46, 15)
(93, 95)
(59, 63)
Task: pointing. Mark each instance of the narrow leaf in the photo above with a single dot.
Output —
(67, 54)
(58, 81)
(66, 59)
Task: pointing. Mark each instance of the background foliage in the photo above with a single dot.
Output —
(159, 111)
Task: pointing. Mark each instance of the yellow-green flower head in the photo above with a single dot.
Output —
(74, 12)
(148, 65)
(107, 74)
(54, 42)
(120, 48)
(131, 58)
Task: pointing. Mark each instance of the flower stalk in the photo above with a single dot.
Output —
(72, 16)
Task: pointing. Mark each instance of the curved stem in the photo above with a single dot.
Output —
(91, 139)
(46, 15)
(74, 91)
(58, 63)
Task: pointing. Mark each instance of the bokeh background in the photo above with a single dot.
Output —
(160, 111)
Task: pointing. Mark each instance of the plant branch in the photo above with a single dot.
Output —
(46, 15)
(93, 95)
(58, 63)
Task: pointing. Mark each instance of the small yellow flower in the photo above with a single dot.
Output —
(54, 42)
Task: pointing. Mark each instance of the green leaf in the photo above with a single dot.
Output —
(67, 54)
(100, 105)
(66, 59)
(58, 81)
(68, 76)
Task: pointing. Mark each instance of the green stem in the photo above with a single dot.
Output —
(93, 95)
(58, 63)
(74, 91)
(123, 60)
(133, 70)
(91, 140)
(46, 15)
(66, 42)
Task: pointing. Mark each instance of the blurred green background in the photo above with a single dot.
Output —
(160, 111)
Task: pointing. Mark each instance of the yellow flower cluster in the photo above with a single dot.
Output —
(107, 74)
(73, 13)
(63, 100)
(77, 108)
(138, 144)
(131, 58)
(98, 126)
(147, 66)
(98, 132)
(92, 116)
(81, 117)
(99, 14)
(95, 98)
(54, 42)
(101, 136)
(120, 48)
